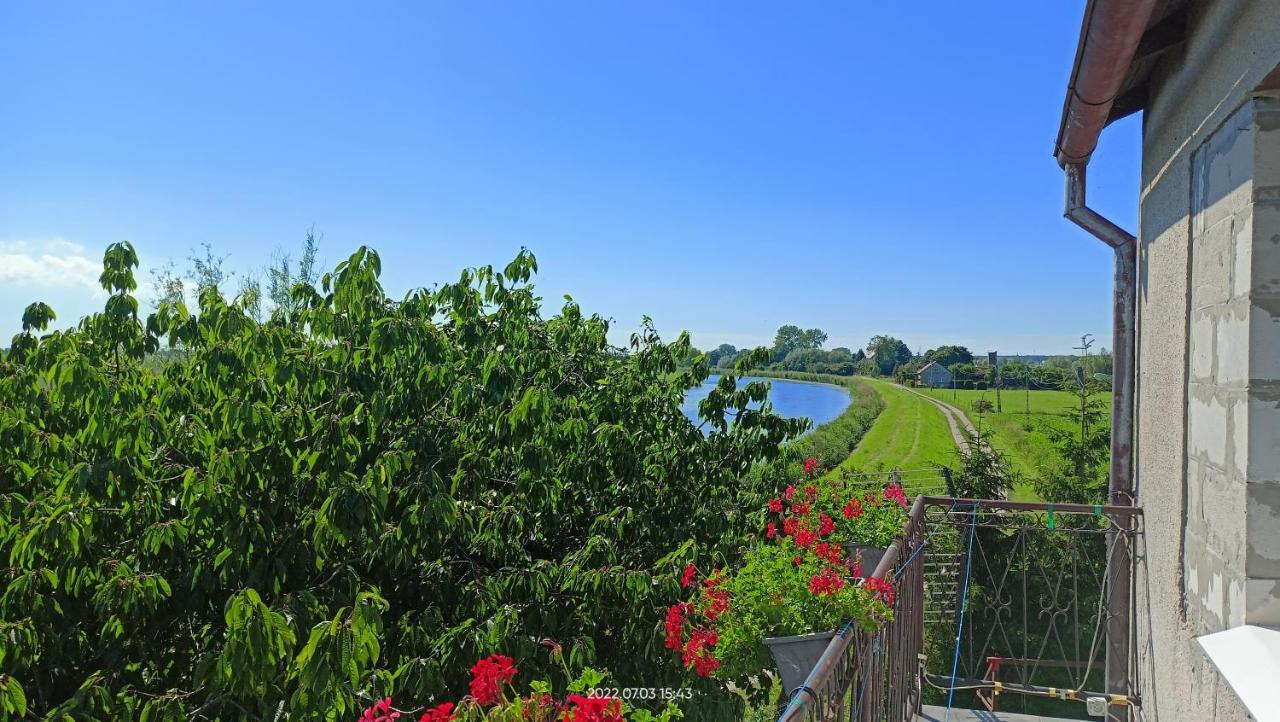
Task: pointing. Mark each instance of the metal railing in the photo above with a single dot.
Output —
(994, 599)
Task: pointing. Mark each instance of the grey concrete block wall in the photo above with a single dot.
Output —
(1208, 431)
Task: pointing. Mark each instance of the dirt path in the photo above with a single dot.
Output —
(955, 418)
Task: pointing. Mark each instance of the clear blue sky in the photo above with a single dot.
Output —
(723, 167)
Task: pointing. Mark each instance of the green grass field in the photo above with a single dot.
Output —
(910, 433)
(1016, 431)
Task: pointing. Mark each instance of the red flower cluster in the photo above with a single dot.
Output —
(715, 598)
(883, 588)
(775, 505)
(852, 509)
(826, 526)
(831, 553)
(675, 624)
(439, 713)
(487, 677)
(770, 530)
(592, 709)
(698, 652)
(810, 465)
(895, 493)
(789, 492)
(380, 712)
(803, 537)
(490, 673)
(687, 578)
(828, 582)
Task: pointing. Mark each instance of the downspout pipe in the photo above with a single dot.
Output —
(1109, 37)
(1119, 597)
(1123, 336)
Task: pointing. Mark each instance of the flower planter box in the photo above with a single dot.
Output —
(871, 556)
(796, 656)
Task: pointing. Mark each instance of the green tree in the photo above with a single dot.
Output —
(1082, 451)
(295, 517)
(887, 352)
(723, 352)
(967, 376)
(949, 355)
(791, 338)
(282, 275)
(982, 472)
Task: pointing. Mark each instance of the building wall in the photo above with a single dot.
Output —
(1208, 443)
(936, 377)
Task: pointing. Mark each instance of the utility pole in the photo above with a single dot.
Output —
(993, 358)
(1026, 386)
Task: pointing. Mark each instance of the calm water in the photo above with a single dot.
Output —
(819, 403)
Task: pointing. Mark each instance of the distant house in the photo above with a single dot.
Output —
(934, 375)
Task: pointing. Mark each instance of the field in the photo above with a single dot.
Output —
(1016, 431)
(910, 433)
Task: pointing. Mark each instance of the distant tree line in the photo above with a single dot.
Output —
(798, 349)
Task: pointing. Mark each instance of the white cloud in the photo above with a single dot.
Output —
(51, 263)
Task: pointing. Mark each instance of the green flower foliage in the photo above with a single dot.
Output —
(355, 498)
(771, 597)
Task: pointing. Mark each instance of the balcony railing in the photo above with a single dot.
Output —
(999, 605)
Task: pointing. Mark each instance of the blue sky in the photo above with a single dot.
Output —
(724, 167)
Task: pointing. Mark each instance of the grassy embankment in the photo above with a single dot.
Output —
(1017, 431)
(906, 431)
(911, 433)
(833, 442)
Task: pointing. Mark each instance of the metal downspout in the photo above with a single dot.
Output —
(1124, 297)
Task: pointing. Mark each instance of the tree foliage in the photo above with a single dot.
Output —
(355, 498)
(949, 355)
(791, 338)
(887, 352)
(1079, 469)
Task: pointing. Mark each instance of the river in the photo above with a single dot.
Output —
(819, 403)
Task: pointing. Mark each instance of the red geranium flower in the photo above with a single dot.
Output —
(790, 492)
(805, 538)
(675, 624)
(800, 509)
(810, 465)
(380, 712)
(852, 509)
(697, 653)
(687, 578)
(770, 530)
(826, 525)
(439, 713)
(883, 588)
(775, 505)
(894, 491)
(592, 709)
(828, 582)
(715, 597)
(487, 677)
